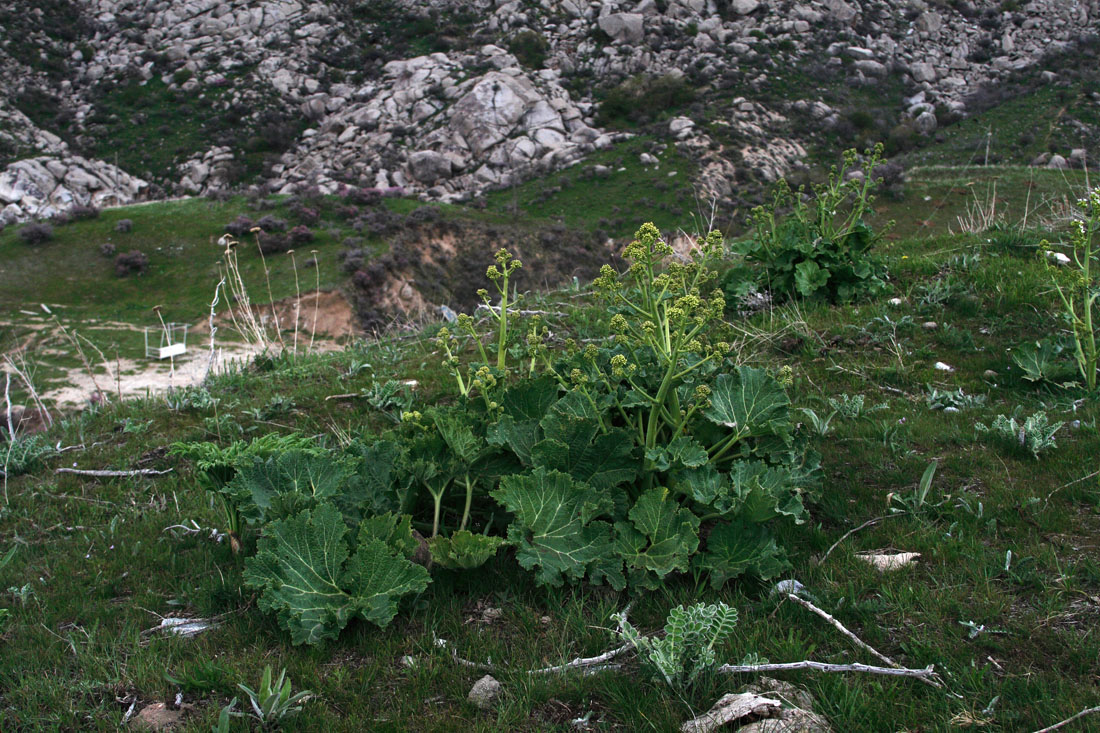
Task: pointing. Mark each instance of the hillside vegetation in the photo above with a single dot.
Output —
(1002, 599)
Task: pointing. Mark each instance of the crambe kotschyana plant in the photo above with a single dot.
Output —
(648, 455)
(820, 248)
(1078, 287)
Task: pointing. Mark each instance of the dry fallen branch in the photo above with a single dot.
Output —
(849, 533)
(114, 474)
(928, 672)
(590, 665)
(1083, 713)
(851, 636)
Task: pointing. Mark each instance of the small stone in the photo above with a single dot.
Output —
(929, 325)
(485, 692)
(951, 409)
(940, 366)
(895, 302)
(990, 374)
(409, 662)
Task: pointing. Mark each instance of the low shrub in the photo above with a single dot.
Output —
(274, 243)
(641, 99)
(649, 455)
(82, 212)
(240, 226)
(36, 233)
(272, 224)
(530, 48)
(300, 234)
(129, 263)
(107, 249)
(124, 226)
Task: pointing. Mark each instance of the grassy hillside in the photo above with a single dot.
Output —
(1003, 599)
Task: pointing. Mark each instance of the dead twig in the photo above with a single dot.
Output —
(851, 532)
(113, 474)
(852, 637)
(928, 672)
(598, 663)
(65, 497)
(1083, 713)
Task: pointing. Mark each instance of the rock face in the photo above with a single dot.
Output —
(461, 135)
(329, 95)
(45, 186)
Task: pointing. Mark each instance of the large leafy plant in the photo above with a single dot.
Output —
(316, 576)
(820, 248)
(623, 463)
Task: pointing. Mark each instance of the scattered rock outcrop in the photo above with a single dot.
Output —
(505, 90)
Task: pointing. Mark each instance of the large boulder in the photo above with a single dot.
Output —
(744, 7)
(428, 166)
(491, 108)
(623, 27)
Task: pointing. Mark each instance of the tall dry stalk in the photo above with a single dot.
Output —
(316, 298)
(297, 300)
(270, 296)
(247, 325)
(981, 215)
(213, 327)
(83, 357)
(168, 338)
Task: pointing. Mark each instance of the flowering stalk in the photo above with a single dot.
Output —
(1080, 294)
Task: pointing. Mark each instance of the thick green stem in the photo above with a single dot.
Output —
(469, 500)
(438, 499)
(502, 338)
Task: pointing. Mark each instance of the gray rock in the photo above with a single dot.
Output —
(681, 127)
(923, 72)
(744, 7)
(485, 693)
(428, 166)
(840, 11)
(870, 67)
(1057, 161)
(926, 123)
(929, 22)
(623, 27)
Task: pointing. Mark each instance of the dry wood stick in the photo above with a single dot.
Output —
(114, 474)
(1083, 713)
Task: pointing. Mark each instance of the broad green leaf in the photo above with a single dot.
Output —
(377, 577)
(568, 430)
(307, 580)
(377, 480)
(759, 492)
(458, 436)
(285, 484)
(463, 550)
(704, 484)
(661, 535)
(738, 548)
(683, 451)
(608, 461)
(519, 437)
(530, 399)
(553, 530)
(393, 529)
(749, 402)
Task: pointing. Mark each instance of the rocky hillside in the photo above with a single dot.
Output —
(111, 101)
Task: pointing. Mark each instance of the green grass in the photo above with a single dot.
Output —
(580, 198)
(102, 565)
